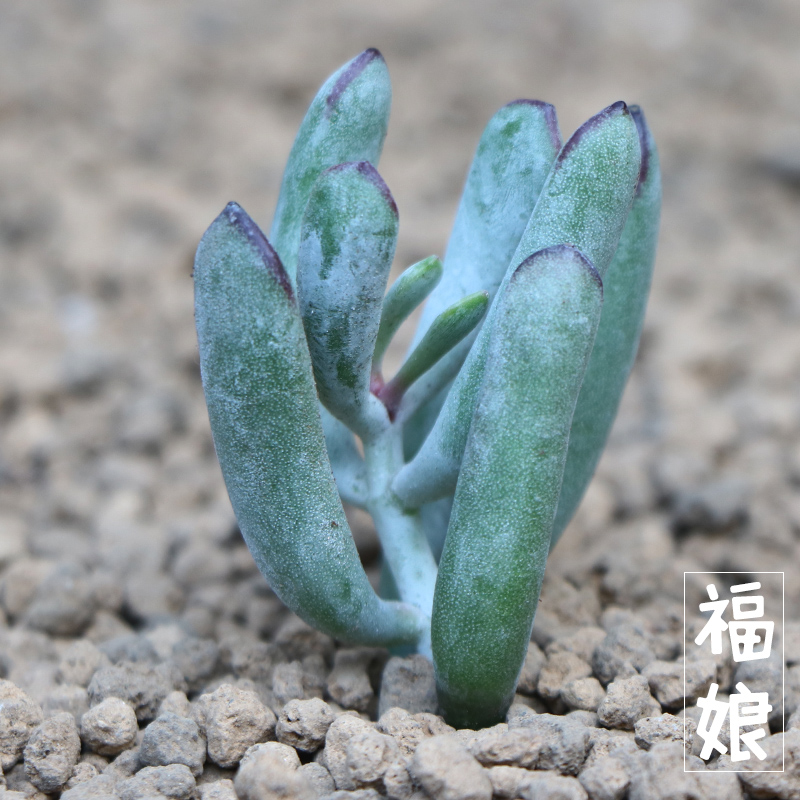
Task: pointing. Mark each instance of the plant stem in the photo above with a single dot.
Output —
(402, 538)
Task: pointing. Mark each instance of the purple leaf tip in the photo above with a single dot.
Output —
(561, 250)
(644, 143)
(242, 221)
(350, 72)
(549, 114)
(371, 174)
(615, 109)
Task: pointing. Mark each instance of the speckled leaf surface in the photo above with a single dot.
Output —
(498, 539)
(626, 288)
(264, 416)
(512, 161)
(346, 121)
(433, 472)
(589, 191)
(347, 245)
(349, 470)
(584, 202)
(435, 519)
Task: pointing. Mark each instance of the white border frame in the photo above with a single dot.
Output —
(783, 662)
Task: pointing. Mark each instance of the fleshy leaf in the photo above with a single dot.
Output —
(347, 244)
(435, 519)
(589, 191)
(448, 329)
(265, 421)
(626, 287)
(584, 202)
(433, 472)
(498, 539)
(512, 161)
(419, 423)
(349, 470)
(346, 121)
(405, 294)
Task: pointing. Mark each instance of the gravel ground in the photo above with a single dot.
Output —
(141, 653)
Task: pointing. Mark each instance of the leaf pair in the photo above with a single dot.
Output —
(335, 227)
(627, 286)
(262, 405)
(584, 203)
(525, 410)
(258, 381)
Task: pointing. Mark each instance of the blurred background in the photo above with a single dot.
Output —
(126, 125)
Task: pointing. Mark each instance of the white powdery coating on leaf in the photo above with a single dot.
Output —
(512, 161)
(353, 130)
(584, 203)
(268, 435)
(626, 287)
(589, 192)
(347, 245)
(498, 539)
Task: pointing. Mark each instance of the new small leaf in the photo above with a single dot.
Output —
(405, 294)
(448, 329)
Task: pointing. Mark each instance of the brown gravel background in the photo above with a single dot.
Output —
(126, 125)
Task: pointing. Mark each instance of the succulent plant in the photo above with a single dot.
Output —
(477, 452)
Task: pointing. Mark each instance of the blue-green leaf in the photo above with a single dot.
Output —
(513, 159)
(265, 421)
(498, 539)
(589, 191)
(405, 294)
(347, 244)
(346, 121)
(435, 519)
(584, 202)
(626, 287)
(433, 472)
(349, 470)
(448, 329)
(419, 424)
